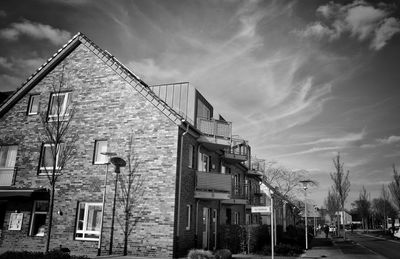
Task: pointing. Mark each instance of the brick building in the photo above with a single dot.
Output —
(197, 175)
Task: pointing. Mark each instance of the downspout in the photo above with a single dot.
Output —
(180, 180)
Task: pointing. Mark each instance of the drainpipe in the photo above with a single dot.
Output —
(180, 180)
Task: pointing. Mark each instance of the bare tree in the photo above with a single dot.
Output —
(285, 179)
(130, 196)
(394, 187)
(341, 184)
(332, 203)
(363, 207)
(58, 142)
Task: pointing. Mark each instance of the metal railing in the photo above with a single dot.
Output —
(213, 181)
(215, 128)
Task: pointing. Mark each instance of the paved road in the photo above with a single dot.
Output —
(387, 248)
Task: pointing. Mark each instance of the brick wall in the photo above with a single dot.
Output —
(106, 108)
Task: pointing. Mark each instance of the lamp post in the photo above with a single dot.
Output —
(271, 192)
(305, 183)
(118, 163)
(108, 154)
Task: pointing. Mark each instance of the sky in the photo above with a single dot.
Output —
(300, 80)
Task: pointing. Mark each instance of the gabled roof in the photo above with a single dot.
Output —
(127, 75)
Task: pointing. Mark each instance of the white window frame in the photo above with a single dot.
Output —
(43, 156)
(64, 106)
(98, 158)
(31, 101)
(191, 156)
(34, 213)
(189, 216)
(10, 157)
(237, 218)
(84, 231)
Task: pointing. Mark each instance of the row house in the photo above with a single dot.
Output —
(197, 174)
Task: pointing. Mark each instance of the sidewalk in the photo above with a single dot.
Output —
(338, 248)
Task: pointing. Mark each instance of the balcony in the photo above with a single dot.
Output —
(238, 151)
(257, 166)
(213, 186)
(238, 195)
(7, 176)
(217, 134)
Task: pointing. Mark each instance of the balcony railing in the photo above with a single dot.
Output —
(7, 176)
(238, 151)
(217, 182)
(215, 128)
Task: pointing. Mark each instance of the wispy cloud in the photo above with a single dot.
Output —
(362, 20)
(3, 14)
(382, 141)
(147, 68)
(309, 151)
(35, 30)
(5, 63)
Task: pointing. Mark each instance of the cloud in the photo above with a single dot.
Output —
(310, 151)
(35, 30)
(382, 141)
(9, 83)
(360, 19)
(5, 63)
(3, 14)
(147, 68)
(389, 140)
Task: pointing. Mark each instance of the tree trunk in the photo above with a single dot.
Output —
(126, 233)
(50, 223)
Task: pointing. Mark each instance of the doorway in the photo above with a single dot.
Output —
(210, 228)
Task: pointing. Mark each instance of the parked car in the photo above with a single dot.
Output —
(396, 233)
(332, 228)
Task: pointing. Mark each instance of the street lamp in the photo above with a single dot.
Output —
(305, 183)
(271, 192)
(108, 154)
(118, 163)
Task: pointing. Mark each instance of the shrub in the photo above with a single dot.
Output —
(55, 254)
(200, 254)
(223, 254)
(233, 237)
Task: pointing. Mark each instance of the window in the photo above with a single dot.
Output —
(88, 221)
(203, 111)
(237, 218)
(204, 162)
(46, 161)
(236, 182)
(38, 220)
(191, 156)
(33, 105)
(59, 103)
(8, 156)
(189, 216)
(100, 146)
(228, 216)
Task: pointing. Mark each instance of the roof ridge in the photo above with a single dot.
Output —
(125, 73)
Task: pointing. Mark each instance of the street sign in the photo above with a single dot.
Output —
(261, 209)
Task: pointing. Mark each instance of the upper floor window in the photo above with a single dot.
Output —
(38, 220)
(100, 147)
(189, 216)
(191, 156)
(8, 156)
(33, 105)
(203, 111)
(47, 156)
(204, 162)
(88, 223)
(59, 103)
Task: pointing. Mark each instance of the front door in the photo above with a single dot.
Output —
(206, 227)
(210, 226)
